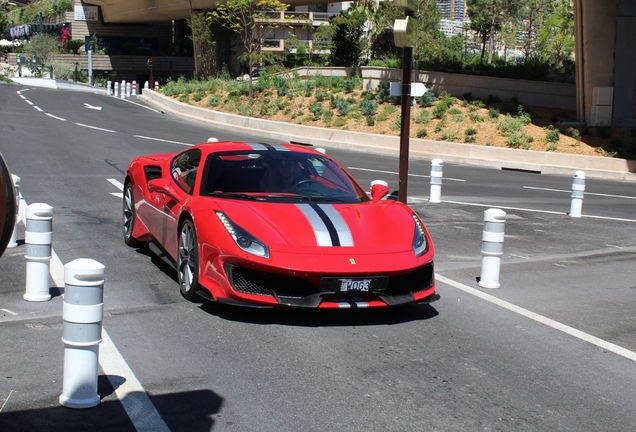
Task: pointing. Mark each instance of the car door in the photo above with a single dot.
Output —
(183, 172)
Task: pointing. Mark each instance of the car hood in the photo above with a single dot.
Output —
(326, 228)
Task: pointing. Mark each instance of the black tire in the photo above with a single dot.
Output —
(129, 216)
(188, 261)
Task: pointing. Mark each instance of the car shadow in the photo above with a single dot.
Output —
(163, 266)
(322, 317)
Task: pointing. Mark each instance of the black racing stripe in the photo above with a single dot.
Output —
(333, 233)
(268, 146)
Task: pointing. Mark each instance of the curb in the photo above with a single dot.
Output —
(496, 157)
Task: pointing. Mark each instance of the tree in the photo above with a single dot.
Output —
(203, 36)
(556, 37)
(487, 18)
(348, 44)
(429, 49)
(41, 46)
(250, 20)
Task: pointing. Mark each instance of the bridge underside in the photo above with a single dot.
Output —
(605, 49)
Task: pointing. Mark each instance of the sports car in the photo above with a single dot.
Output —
(276, 225)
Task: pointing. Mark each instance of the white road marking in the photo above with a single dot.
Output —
(537, 211)
(116, 183)
(162, 140)
(9, 312)
(395, 173)
(96, 128)
(586, 193)
(22, 96)
(142, 106)
(55, 117)
(29, 102)
(6, 400)
(92, 107)
(541, 319)
(128, 389)
(117, 194)
(38, 108)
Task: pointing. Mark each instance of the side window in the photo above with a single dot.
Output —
(184, 169)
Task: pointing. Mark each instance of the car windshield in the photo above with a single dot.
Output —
(283, 176)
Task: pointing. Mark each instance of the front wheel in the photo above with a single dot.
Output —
(129, 217)
(188, 261)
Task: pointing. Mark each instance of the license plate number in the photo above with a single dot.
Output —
(355, 284)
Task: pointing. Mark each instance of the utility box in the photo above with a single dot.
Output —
(602, 102)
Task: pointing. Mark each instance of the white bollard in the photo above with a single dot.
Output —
(109, 88)
(83, 312)
(436, 180)
(13, 242)
(123, 89)
(38, 237)
(492, 247)
(134, 88)
(156, 85)
(212, 139)
(578, 192)
(321, 150)
(128, 89)
(147, 85)
(116, 91)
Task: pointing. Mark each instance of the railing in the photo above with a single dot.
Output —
(278, 45)
(287, 16)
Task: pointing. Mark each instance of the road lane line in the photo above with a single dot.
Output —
(55, 117)
(586, 193)
(116, 183)
(162, 140)
(96, 128)
(395, 173)
(601, 343)
(128, 389)
(38, 108)
(537, 211)
(28, 101)
(9, 312)
(6, 400)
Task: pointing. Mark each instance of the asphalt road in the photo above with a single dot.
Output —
(552, 349)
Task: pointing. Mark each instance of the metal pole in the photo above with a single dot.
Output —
(405, 128)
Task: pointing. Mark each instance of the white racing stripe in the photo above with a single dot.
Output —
(541, 319)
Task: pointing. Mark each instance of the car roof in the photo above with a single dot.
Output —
(223, 146)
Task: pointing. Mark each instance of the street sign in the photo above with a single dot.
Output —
(417, 89)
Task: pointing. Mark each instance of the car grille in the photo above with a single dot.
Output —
(416, 281)
(268, 284)
(261, 283)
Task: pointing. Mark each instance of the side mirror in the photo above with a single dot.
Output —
(7, 206)
(379, 189)
(161, 185)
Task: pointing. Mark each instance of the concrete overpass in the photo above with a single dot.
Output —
(605, 49)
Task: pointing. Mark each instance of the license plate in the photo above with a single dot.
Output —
(355, 284)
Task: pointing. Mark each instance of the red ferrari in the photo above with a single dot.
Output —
(276, 225)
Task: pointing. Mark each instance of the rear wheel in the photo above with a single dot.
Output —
(188, 261)
(129, 217)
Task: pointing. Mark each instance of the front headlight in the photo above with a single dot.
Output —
(242, 238)
(420, 246)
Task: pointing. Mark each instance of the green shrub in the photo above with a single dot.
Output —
(454, 111)
(336, 84)
(476, 118)
(422, 133)
(349, 85)
(382, 117)
(367, 107)
(523, 116)
(423, 117)
(478, 103)
(519, 139)
(328, 116)
(509, 124)
(470, 139)
(552, 135)
(397, 125)
(552, 147)
(389, 109)
(384, 92)
(439, 128)
(493, 113)
(321, 95)
(427, 99)
(449, 135)
(471, 131)
(244, 110)
(459, 118)
(316, 108)
(370, 120)
(198, 96)
(340, 121)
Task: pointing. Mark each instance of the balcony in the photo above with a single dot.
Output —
(278, 46)
(292, 17)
